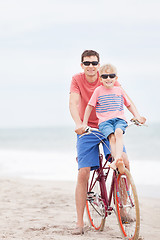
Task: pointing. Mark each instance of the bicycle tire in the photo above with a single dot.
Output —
(95, 205)
(127, 206)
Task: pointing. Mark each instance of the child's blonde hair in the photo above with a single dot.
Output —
(106, 67)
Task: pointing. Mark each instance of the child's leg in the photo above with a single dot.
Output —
(119, 143)
(112, 141)
(119, 150)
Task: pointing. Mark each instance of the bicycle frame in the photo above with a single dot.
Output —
(102, 178)
(121, 189)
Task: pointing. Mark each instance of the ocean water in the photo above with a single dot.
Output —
(50, 153)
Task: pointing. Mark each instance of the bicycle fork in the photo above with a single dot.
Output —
(127, 190)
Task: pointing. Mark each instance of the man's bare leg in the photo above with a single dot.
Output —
(123, 213)
(80, 197)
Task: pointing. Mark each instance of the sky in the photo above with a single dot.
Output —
(41, 42)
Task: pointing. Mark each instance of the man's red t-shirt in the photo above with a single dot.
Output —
(85, 89)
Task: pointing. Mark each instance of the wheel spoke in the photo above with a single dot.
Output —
(127, 206)
(95, 205)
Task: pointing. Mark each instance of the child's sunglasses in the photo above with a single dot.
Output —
(105, 76)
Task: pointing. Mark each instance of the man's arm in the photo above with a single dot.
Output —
(74, 110)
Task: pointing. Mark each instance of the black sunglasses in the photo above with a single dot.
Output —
(105, 76)
(87, 63)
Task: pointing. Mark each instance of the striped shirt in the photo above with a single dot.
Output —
(85, 89)
(109, 103)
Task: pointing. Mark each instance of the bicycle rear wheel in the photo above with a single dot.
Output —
(127, 206)
(95, 205)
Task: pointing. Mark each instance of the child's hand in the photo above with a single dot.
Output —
(140, 119)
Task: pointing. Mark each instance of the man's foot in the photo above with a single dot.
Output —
(78, 231)
(120, 165)
(128, 219)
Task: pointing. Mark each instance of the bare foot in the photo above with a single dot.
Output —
(77, 231)
(120, 165)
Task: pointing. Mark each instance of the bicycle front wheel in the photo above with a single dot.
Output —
(95, 205)
(127, 206)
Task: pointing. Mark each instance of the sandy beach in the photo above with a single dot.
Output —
(45, 210)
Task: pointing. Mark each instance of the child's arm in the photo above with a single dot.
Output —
(141, 119)
(87, 114)
(132, 108)
(135, 113)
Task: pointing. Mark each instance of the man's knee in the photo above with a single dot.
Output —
(83, 174)
(112, 138)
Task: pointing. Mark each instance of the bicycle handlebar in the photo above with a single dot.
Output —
(137, 123)
(89, 129)
(133, 121)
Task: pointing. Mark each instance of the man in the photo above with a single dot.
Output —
(82, 87)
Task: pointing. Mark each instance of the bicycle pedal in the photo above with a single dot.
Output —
(125, 222)
(109, 210)
(90, 196)
(90, 192)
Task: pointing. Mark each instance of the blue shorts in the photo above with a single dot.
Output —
(111, 125)
(88, 149)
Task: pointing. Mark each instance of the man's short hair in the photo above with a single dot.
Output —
(89, 53)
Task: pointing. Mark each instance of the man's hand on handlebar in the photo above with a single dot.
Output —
(80, 129)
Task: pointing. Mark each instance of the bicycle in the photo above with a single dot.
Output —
(122, 192)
